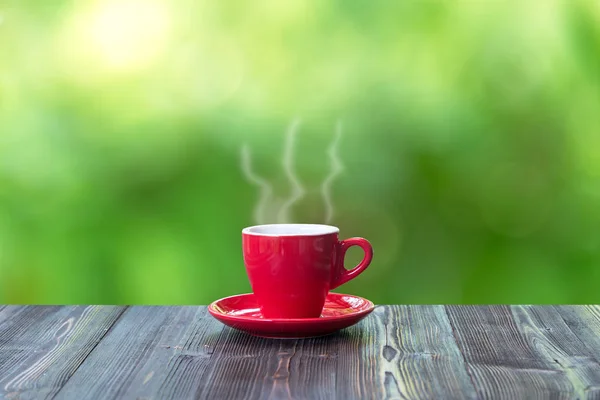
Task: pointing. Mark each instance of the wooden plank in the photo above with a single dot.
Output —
(148, 350)
(42, 346)
(313, 369)
(584, 322)
(552, 339)
(397, 352)
(357, 357)
(593, 395)
(406, 352)
(500, 360)
(243, 366)
(248, 367)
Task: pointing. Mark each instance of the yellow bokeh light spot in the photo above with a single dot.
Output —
(128, 33)
(113, 36)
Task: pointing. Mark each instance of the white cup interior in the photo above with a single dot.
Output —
(290, 230)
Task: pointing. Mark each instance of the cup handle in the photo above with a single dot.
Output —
(342, 275)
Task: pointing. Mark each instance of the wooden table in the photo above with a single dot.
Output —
(400, 352)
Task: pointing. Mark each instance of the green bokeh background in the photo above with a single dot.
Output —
(470, 145)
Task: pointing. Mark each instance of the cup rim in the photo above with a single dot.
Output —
(294, 230)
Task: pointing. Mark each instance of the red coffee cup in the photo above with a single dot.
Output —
(292, 267)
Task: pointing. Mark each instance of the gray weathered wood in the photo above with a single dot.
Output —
(552, 340)
(501, 360)
(584, 322)
(41, 347)
(152, 352)
(404, 352)
(254, 368)
(398, 352)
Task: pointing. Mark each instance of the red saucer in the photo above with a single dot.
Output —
(243, 313)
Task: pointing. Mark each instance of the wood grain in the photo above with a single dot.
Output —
(41, 347)
(406, 352)
(584, 322)
(152, 352)
(248, 367)
(503, 362)
(552, 340)
(398, 352)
